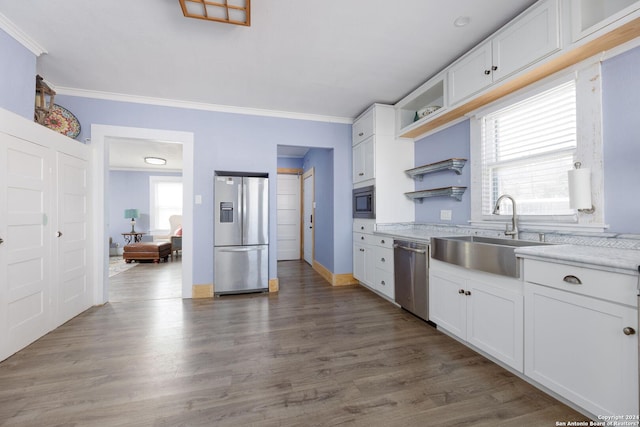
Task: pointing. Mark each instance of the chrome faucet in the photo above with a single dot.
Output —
(514, 219)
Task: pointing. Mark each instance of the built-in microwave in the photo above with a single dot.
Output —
(364, 202)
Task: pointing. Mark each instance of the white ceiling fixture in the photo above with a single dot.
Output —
(131, 154)
(326, 59)
(155, 161)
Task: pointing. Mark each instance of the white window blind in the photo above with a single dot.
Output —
(527, 149)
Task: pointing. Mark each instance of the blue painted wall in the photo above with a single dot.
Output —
(17, 77)
(224, 141)
(621, 135)
(446, 144)
(129, 190)
(321, 160)
(290, 162)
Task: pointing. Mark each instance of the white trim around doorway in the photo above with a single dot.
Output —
(100, 177)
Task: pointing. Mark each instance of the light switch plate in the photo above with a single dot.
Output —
(445, 215)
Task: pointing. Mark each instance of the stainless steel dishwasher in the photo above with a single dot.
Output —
(411, 273)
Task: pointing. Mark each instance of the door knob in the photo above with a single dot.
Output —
(1, 241)
(467, 293)
(59, 234)
(487, 72)
(629, 331)
(461, 291)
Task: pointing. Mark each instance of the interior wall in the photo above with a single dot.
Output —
(290, 162)
(621, 134)
(232, 142)
(129, 190)
(17, 77)
(321, 160)
(452, 142)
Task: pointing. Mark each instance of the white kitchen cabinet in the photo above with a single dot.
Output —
(578, 340)
(362, 128)
(530, 37)
(373, 258)
(589, 16)
(364, 160)
(482, 309)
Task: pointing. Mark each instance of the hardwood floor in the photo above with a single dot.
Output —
(311, 355)
(148, 281)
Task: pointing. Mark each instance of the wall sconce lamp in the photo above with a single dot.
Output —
(580, 189)
(133, 214)
(44, 100)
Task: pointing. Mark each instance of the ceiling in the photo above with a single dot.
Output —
(331, 58)
(129, 154)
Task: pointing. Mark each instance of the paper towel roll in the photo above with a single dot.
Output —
(580, 188)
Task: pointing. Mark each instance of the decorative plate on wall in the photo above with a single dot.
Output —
(62, 121)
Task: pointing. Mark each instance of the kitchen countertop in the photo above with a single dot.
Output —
(615, 259)
(612, 259)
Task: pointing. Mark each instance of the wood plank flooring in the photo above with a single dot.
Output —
(311, 355)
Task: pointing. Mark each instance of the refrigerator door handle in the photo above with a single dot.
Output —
(242, 249)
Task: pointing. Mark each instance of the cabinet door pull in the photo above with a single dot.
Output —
(1, 241)
(382, 259)
(361, 174)
(361, 133)
(494, 68)
(461, 291)
(467, 293)
(361, 250)
(361, 237)
(572, 280)
(382, 283)
(629, 331)
(59, 234)
(382, 242)
(362, 227)
(487, 72)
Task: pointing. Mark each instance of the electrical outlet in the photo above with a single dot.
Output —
(445, 215)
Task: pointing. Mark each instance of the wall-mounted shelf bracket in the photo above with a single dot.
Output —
(455, 192)
(455, 165)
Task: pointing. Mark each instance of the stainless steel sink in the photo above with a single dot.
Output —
(488, 254)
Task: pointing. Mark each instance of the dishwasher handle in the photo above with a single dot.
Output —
(418, 251)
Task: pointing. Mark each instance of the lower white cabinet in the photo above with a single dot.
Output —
(373, 258)
(580, 340)
(482, 309)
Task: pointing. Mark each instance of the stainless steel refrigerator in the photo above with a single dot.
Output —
(241, 248)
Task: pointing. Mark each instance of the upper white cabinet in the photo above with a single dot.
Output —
(532, 36)
(589, 16)
(424, 103)
(364, 161)
(380, 159)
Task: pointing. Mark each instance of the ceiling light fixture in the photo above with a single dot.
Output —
(236, 12)
(462, 21)
(155, 161)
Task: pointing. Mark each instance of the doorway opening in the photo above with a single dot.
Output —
(102, 137)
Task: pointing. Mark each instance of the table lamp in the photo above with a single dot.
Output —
(133, 214)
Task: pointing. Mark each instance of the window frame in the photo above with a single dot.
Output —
(589, 152)
(153, 181)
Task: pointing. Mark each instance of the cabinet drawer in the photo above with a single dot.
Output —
(615, 287)
(384, 259)
(384, 241)
(363, 239)
(384, 283)
(362, 128)
(363, 226)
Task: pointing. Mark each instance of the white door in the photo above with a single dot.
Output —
(74, 292)
(25, 251)
(288, 217)
(307, 213)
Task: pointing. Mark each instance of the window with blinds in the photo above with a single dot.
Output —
(527, 149)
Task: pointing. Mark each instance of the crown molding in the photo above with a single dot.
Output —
(20, 36)
(200, 105)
